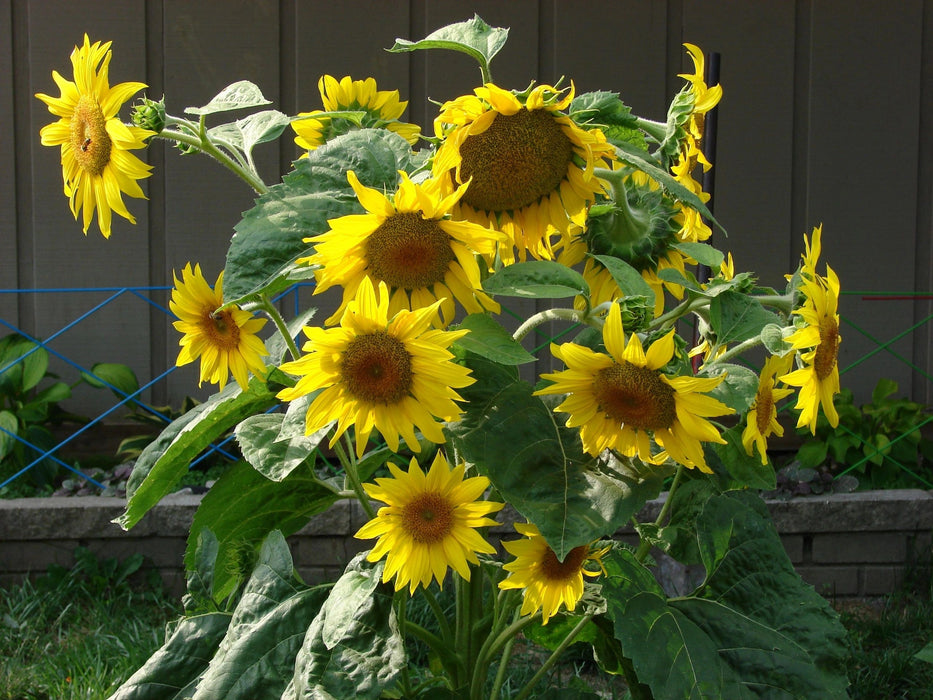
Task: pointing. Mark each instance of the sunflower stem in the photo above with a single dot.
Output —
(555, 655)
(438, 614)
(667, 320)
(490, 648)
(203, 143)
(348, 460)
(645, 546)
(782, 302)
(451, 661)
(544, 317)
(503, 667)
(269, 308)
(738, 349)
(656, 130)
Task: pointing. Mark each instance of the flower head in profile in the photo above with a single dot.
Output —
(547, 581)
(393, 374)
(761, 419)
(224, 339)
(382, 108)
(530, 167)
(410, 243)
(429, 523)
(97, 166)
(621, 400)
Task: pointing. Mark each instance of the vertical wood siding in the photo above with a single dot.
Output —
(825, 119)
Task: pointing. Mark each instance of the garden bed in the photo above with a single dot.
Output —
(846, 545)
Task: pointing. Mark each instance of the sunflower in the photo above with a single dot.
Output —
(621, 400)
(761, 420)
(547, 581)
(393, 374)
(429, 523)
(411, 244)
(819, 337)
(225, 340)
(97, 167)
(703, 97)
(382, 108)
(530, 167)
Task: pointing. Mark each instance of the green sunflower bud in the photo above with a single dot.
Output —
(637, 313)
(149, 114)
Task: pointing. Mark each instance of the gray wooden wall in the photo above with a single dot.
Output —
(827, 117)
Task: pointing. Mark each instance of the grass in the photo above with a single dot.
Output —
(79, 632)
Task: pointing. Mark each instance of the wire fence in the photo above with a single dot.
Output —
(40, 453)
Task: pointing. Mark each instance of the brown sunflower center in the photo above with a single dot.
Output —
(222, 330)
(89, 139)
(428, 518)
(635, 396)
(516, 161)
(376, 368)
(554, 570)
(764, 405)
(409, 252)
(828, 350)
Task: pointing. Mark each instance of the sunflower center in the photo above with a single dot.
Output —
(764, 405)
(89, 139)
(555, 570)
(409, 252)
(376, 368)
(222, 330)
(428, 518)
(828, 350)
(516, 161)
(635, 396)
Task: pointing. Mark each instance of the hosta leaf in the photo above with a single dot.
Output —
(120, 378)
(536, 279)
(238, 95)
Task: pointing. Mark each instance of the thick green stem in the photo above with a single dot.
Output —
(645, 546)
(501, 671)
(439, 615)
(671, 317)
(348, 460)
(204, 145)
(269, 308)
(546, 316)
(739, 349)
(782, 302)
(552, 659)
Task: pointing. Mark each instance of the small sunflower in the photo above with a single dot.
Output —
(429, 523)
(410, 243)
(819, 338)
(392, 374)
(382, 108)
(761, 420)
(97, 166)
(530, 167)
(225, 340)
(548, 582)
(622, 400)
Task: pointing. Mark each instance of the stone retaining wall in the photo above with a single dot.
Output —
(858, 544)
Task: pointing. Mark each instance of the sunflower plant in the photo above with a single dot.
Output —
(441, 422)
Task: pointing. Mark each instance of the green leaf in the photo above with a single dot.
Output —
(265, 633)
(10, 428)
(812, 453)
(538, 464)
(353, 648)
(26, 363)
(537, 279)
(735, 317)
(627, 277)
(200, 576)
(606, 111)
(238, 95)
(119, 377)
(275, 447)
(883, 389)
(925, 654)
(473, 37)
(244, 506)
(703, 253)
(269, 238)
(166, 459)
(737, 389)
(59, 391)
(244, 134)
(490, 340)
(746, 469)
(772, 337)
(173, 670)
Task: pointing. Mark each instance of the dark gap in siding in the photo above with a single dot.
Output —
(24, 140)
(417, 67)
(800, 181)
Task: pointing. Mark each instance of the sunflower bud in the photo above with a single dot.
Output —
(149, 114)
(637, 313)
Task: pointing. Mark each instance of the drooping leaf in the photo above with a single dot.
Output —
(270, 236)
(537, 279)
(627, 277)
(538, 464)
(353, 648)
(772, 337)
(703, 253)
(166, 459)
(118, 377)
(244, 134)
(489, 339)
(473, 37)
(735, 317)
(238, 95)
(607, 111)
(737, 389)
(746, 469)
(23, 364)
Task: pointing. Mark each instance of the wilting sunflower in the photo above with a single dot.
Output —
(529, 165)
(393, 374)
(761, 420)
(382, 108)
(622, 400)
(225, 340)
(548, 582)
(429, 523)
(410, 243)
(819, 340)
(97, 166)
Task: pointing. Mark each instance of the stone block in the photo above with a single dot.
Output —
(320, 552)
(860, 547)
(862, 511)
(881, 580)
(22, 557)
(831, 581)
(793, 545)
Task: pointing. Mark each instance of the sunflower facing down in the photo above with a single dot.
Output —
(382, 108)
(392, 374)
(622, 400)
(97, 166)
(530, 167)
(761, 420)
(548, 582)
(409, 243)
(429, 523)
(225, 340)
